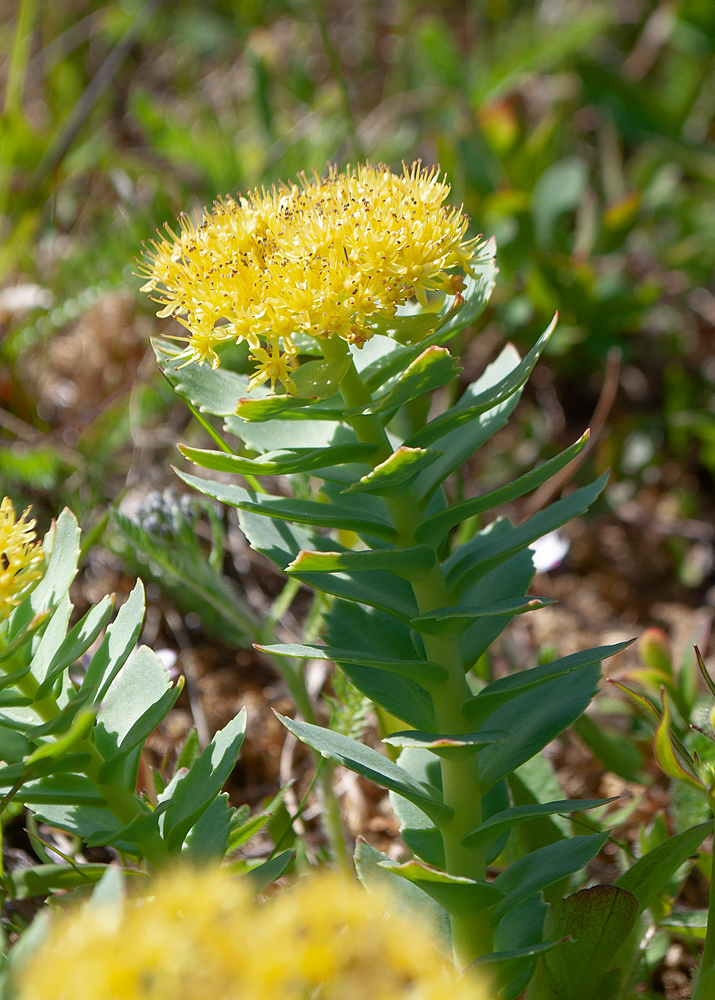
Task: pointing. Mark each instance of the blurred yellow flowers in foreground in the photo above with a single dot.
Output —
(200, 936)
(322, 258)
(21, 558)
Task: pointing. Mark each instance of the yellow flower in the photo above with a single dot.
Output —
(273, 366)
(201, 937)
(21, 558)
(325, 257)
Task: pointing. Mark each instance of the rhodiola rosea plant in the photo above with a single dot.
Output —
(347, 290)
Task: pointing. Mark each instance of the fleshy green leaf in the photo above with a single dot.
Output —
(429, 675)
(278, 463)
(300, 511)
(486, 832)
(476, 401)
(370, 764)
(397, 470)
(376, 633)
(42, 880)
(651, 873)
(459, 896)
(535, 719)
(430, 370)
(433, 529)
(320, 379)
(502, 691)
(450, 746)
(410, 563)
(397, 895)
(375, 588)
(542, 868)
(461, 441)
(466, 570)
(287, 407)
(448, 623)
(211, 391)
(478, 288)
(599, 920)
(194, 792)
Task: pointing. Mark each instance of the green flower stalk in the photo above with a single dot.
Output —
(364, 278)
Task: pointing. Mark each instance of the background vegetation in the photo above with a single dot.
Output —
(580, 134)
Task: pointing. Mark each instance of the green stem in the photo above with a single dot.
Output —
(471, 936)
(708, 960)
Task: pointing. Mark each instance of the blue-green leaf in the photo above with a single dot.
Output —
(466, 570)
(370, 764)
(194, 792)
(461, 441)
(399, 469)
(482, 395)
(409, 563)
(478, 709)
(486, 832)
(300, 511)
(542, 868)
(429, 675)
(433, 368)
(278, 463)
(448, 623)
(459, 896)
(211, 391)
(397, 895)
(433, 529)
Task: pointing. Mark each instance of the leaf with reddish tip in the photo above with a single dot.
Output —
(640, 700)
(672, 757)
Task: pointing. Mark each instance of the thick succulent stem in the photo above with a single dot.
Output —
(471, 936)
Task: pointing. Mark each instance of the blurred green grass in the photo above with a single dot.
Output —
(579, 132)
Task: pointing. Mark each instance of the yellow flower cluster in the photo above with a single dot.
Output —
(21, 558)
(201, 937)
(321, 258)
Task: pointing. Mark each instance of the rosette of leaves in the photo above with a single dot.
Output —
(76, 707)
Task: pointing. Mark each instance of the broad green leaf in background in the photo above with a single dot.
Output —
(599, 920)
